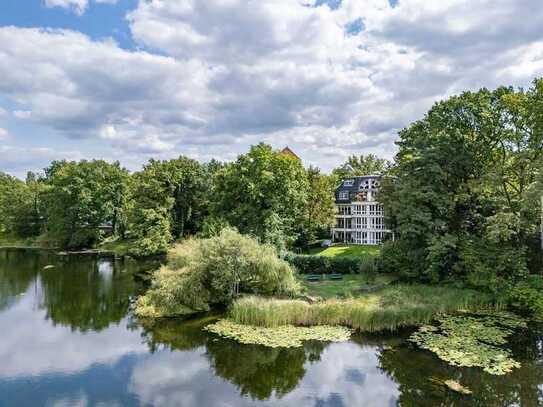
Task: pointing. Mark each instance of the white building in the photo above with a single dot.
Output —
(359, 217)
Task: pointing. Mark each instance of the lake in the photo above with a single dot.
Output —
(67, 338)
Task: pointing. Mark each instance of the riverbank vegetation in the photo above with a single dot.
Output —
(388, 309)
(202, 273)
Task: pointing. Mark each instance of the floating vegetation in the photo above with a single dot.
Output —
(470, 340)
(286, 336)
(453, 385)
(457, 387)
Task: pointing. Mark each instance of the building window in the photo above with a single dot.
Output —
(348, 183)
(344, 195)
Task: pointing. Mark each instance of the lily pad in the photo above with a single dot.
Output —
(286, 336)
(472, 340)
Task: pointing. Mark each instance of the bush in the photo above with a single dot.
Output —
(202, 273)
(312, 264)
(368, 267)
(527, 297)
(401, 258)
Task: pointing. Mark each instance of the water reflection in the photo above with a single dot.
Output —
(68, 339)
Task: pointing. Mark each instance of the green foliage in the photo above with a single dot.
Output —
(527, 297)
(319, 209)
(310, 264)
(169, 202)
(206, 272)
(262, 193)
(349, 286)
(213, 226)
(21, 206)
(278, 337)
(81, 196)
(472, 341)
(361, 165)
(462, 195)
(399, 257)
(389, 309)
(488, 265)
(367, 266)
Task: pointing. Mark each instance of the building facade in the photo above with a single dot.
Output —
(359, 217)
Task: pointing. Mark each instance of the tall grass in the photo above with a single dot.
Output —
(389, 309)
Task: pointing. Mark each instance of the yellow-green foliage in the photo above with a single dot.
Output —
(204, 272)
(286, 336)
(388, 309)
(472, 340)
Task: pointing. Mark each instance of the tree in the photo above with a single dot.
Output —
(21, 209)
(169, 202)
(262, 193)
(361, 165)
(319, 209)
(202, 273)
(457, 194)
(80, 197)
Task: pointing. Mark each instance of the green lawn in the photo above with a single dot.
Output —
(118, 246)
(345, 250)
(351, 285)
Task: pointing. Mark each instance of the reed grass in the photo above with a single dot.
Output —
(389, 309)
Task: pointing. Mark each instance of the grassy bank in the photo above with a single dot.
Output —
(345, 250)
(350, 285)
(389, 309)
(109, 246)
(117, 246)
(10, 241)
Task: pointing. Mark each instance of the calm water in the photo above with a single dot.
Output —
(67, 339)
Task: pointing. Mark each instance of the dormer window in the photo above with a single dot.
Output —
(348, 183)
(369, 184)
(343, 195)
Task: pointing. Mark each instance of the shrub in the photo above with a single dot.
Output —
(206, 272)
(489, 266)
(400, 257)
(312, 264)
(527, 297)
(368, 267)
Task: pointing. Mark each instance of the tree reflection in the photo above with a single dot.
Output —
(414, 370)
(257, 371)
(18, 269)
(86, 294)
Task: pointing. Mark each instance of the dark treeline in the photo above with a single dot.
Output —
(264, 193)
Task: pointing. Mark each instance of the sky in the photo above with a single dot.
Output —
(131, 80)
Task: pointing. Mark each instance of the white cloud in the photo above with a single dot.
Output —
(78, 6)
(18, 160)
(231, 73)
(4, 135)
(42, 356)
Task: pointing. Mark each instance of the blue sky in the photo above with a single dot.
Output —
(132, 79)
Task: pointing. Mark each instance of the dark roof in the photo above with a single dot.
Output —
(353, 189)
